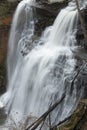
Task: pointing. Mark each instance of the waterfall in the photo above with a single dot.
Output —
(24, 14)
(41, 76)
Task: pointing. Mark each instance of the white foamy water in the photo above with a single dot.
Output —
(41, 77)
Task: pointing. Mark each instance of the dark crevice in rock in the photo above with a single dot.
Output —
(45, 14)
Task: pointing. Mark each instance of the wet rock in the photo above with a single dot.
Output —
(82, 124)
(3, 55)
(3, 116)
(80, 36)
(76, 122)
(81, 69)
(45, 14)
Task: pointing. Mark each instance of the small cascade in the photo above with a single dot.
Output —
(39, 75)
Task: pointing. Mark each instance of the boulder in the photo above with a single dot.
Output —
(78, 120)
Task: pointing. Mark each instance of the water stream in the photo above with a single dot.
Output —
(39, 74)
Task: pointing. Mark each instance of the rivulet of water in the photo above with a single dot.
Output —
(39, 78)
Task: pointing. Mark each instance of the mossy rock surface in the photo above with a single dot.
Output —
(78, 120)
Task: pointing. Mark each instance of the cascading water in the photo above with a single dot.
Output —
(44, 74)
